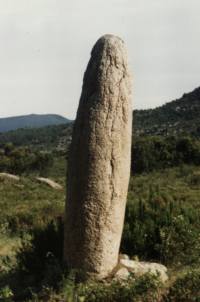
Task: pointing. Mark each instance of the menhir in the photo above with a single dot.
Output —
(99, 162)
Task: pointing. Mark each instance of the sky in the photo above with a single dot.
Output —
(46, 45)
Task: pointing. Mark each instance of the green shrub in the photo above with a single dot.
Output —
(194, 179)
(146, 288)
(186, 288)
(155, 228)
(19, 160)
(41, 257)
(155, 152)
(6, 294)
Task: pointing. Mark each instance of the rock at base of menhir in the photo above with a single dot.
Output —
(99, 162)
(125, 267)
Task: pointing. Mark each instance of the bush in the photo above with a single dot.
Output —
(155, 152)
(41, 257)
(194, 179)
(19, 160)
(155, 228)
(145, 288)
(6, 294)
(186, 288)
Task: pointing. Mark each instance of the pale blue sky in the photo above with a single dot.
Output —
(45, 47)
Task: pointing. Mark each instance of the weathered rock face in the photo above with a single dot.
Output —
(126, 266)
(99, 162)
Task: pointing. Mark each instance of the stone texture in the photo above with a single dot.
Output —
(122, 274)
(123, 256)
(99, 162)
(9, 176)
(141, 268)
(50, 183)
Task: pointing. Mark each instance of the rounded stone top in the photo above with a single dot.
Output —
(109, 38)
(107, 66)
(112, 48)
(108, 41)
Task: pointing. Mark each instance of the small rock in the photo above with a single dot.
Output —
(122, 274)
(9, 176)
(123, 256)
(50, 183)
(141, 268)
(130, 264)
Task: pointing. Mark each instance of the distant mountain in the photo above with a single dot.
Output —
(178, 117)
(31, 121)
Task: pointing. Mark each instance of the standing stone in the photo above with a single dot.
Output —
(99, 162)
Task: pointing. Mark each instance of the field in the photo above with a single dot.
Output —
(162, 224)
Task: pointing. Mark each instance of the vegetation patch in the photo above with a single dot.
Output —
(162, 225)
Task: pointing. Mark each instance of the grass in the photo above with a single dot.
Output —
(174, 182)
(30, 200)
(28, 204)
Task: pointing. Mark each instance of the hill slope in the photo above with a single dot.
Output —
(31, 121)
(178, 117)
(181, 116)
